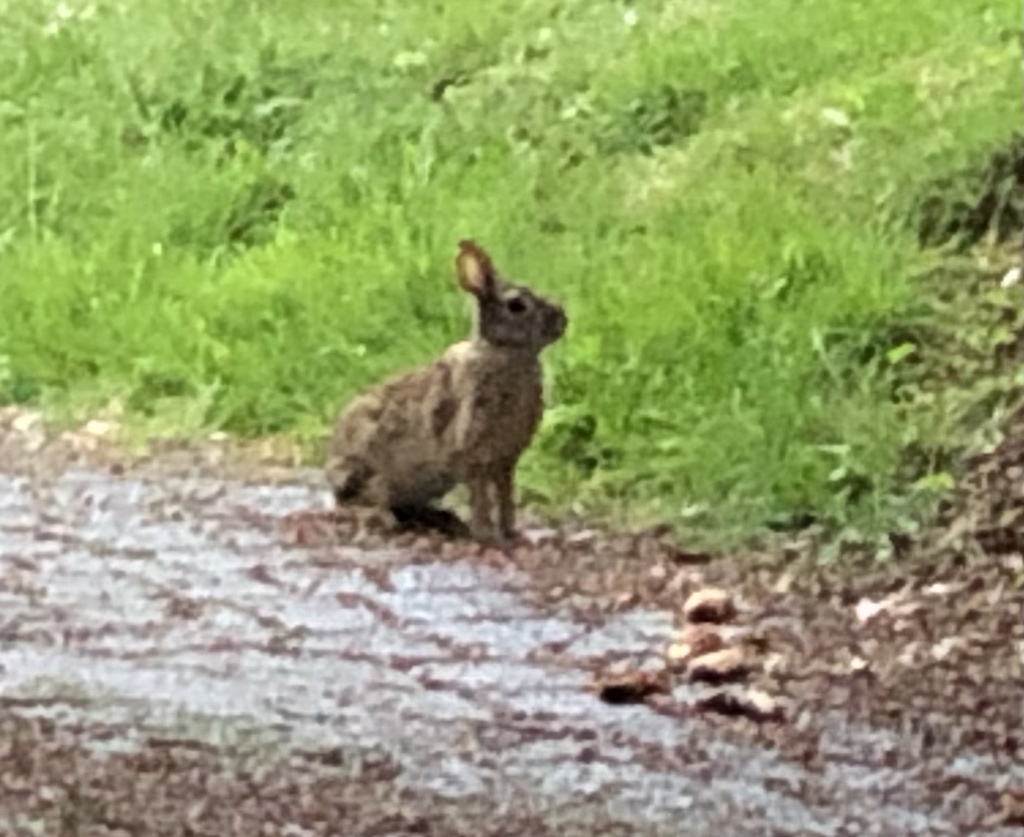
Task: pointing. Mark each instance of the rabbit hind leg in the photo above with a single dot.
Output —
(357, 488)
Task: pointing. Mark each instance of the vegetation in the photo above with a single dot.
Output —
(233, 215)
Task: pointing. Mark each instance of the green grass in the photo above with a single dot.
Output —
(235, 215)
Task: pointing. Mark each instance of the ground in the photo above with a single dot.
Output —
(193, 643)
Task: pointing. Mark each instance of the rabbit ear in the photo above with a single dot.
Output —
(474, 269)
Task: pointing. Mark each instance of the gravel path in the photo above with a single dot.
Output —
(184, 651)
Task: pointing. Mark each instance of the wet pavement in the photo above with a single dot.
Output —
(186, 652)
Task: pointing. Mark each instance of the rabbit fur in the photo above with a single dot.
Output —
(465, 418)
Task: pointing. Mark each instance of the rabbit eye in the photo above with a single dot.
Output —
(516, 305)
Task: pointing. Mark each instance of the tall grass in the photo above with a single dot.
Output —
(234, 215)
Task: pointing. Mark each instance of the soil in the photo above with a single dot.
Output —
(195, 644)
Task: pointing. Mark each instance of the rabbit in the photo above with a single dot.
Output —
(465, 419)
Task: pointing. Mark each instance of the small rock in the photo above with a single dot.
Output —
(762, 706)
(908, 656)
(722, 666)
(79, 442)
(625, 600)
(774, 662)
(633, 687)
(754, 704)
(536, 537)
(582, 538)
(27, 421)
(942, 588)
(712, 604)
(868, 609)
(784, 583)
(694, 641)
(944, 647)
(858, 665)
(29, 425)
(99, 428)
(619, 669)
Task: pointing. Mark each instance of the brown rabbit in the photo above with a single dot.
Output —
(466, 418)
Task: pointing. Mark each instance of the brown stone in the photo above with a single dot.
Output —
(693, 641)
(711, 604)
(722, 666)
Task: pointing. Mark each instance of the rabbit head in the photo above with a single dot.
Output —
(509, 316)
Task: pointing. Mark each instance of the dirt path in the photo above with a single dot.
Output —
(185, 653)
